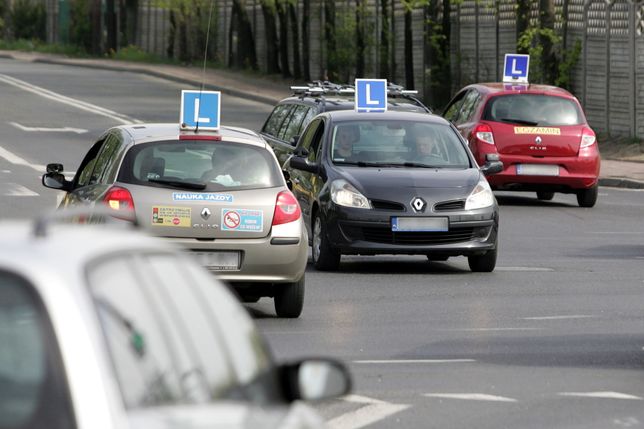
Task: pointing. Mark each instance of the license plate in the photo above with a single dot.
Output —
(419, 224)
(220, 261)
(538, 169)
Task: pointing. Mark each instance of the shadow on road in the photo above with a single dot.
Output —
(512, 200)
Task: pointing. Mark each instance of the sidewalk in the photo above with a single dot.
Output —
(614, 172)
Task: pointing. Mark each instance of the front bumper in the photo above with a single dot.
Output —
(369, 232)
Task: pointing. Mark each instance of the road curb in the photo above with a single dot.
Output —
(613, 182)
(142, 70)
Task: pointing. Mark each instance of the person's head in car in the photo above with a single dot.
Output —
(424, 143)
(345, 137)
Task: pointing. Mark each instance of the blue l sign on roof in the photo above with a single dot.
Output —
(371, 95)
(200, 109)
(516, 68)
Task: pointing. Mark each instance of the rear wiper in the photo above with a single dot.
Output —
(180, 184)
(519, 121)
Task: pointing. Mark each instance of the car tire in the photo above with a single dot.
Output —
(483, 263)
(325, 257)
(587, 197)
(545, 196)
(289, 298)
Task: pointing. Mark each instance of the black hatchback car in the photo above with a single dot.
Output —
(292, 114)
(393, 183)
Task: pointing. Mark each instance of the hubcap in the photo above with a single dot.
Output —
(317, 238)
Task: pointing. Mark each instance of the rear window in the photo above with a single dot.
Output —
(200, 165)
(533, 110)
(396, 143)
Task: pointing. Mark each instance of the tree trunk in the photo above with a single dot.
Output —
(523, 21)
(547, 22)
(282, 14)
(270, 28)
(97, 28)
(242, 44)
(110, 25)
(385, 33)
(297, 70)
(306, 36)
(360, 39)
(409, 54)
(329, 36)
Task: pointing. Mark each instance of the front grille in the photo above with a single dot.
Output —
(387, 236)
(387, 205)
(449, 206)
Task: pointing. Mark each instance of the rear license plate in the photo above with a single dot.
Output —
(537, 170)
(419, 224)
(220, 261)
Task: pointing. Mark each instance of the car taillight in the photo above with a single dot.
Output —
(287, 208)
(483, 132)
(119, 199)
(588, 137)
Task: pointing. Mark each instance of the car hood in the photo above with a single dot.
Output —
(378, 182)
(231, 415)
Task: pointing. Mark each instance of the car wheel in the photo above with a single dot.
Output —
(325, 257)
(587, 197)
(289, 298)
(545, 196)
(483, 263)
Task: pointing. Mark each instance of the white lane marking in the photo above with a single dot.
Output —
(16, 190)
(572, 316)
(524, 269)
(6, 171)
(490, 329)
(602, 395)
(470, 397)
(405, 361)
(15, 159)
(616, 232)
(82, 105)
(373, 411)
(48, 130)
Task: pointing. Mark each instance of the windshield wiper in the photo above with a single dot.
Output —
(359, 163)
(180, 184)
(520, 121)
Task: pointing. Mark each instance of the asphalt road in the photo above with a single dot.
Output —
(553, 338)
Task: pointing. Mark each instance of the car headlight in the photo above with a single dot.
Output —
(481, 197)
(344, 194)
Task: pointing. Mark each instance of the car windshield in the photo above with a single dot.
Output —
(200, 165)
(533, 110)
(387, 143)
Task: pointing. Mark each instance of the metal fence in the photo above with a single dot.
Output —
(608, 79)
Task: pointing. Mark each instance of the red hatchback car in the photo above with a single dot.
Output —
(539, 132)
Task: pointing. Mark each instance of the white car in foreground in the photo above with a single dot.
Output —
(106, 328)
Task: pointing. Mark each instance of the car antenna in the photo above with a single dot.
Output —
(205, 56)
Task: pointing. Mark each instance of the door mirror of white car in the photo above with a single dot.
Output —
(316, 379)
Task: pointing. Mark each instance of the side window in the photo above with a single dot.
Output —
(84, 173)
(452, 111)
(310, 114)
(309, 134)
(314, 150)
(105, 159)
(292, 126)
(274, 122)
(33, 390)
(470, 103)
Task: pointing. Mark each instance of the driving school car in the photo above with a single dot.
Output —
(220, 194)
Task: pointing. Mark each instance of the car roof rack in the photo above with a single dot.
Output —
(319, 88)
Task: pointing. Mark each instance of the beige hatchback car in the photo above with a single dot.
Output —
(220, 194)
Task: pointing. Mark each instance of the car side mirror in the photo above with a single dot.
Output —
(56, 180)
(294, 140)
(315, 379)
(55, 168)
(299, 163)
(493, 164)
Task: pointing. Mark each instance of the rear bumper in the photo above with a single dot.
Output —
(282, 261)
(575, 173)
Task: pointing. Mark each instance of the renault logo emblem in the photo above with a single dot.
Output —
(205, 213)
(418, 204)
(538, 140)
